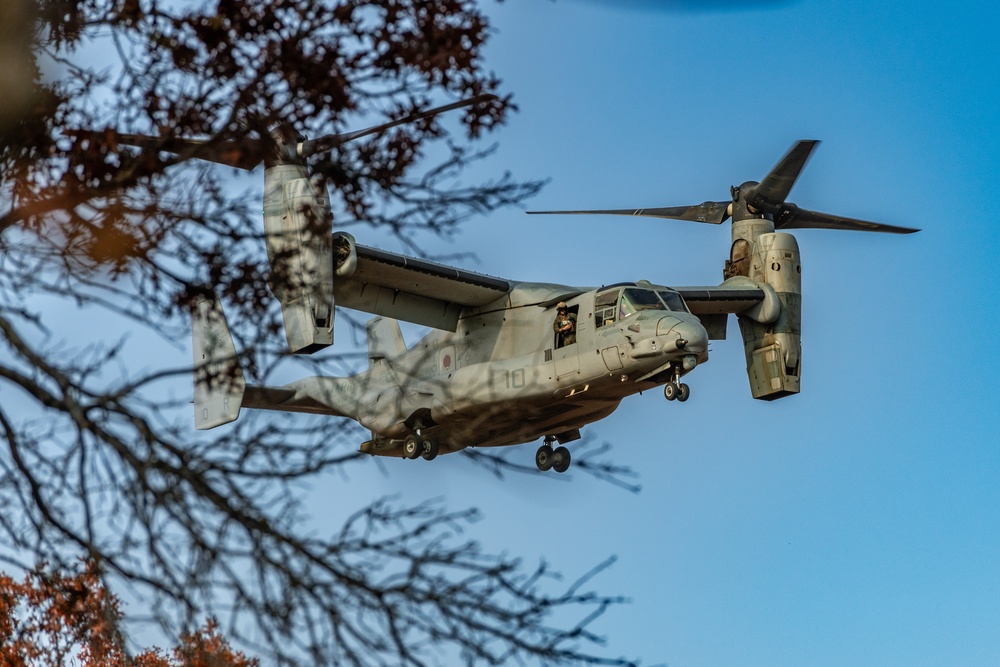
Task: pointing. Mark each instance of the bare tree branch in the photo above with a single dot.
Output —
(98, 458)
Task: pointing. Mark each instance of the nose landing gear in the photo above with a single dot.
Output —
(675, 390)
(557, 459)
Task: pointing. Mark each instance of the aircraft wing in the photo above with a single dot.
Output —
(713, 304)
(415, 290)
(720, 299)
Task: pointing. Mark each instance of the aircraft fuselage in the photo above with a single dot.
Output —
(502, 379)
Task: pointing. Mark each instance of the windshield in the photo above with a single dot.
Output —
(634, 300)
(673, 301)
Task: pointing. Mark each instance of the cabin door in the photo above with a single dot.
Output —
(567, 360)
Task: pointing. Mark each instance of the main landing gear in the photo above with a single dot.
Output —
(417, 444)
(557, 459)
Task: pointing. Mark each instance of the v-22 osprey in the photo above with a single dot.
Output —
(493, 372)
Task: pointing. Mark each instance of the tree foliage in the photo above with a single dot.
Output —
(99, 458)
(53, 619)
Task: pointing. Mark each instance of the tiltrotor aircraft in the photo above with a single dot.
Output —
(494, 371)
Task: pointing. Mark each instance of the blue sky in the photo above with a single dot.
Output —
(856, 523)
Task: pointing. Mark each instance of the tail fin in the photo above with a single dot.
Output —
(218, 379)
(385, 340)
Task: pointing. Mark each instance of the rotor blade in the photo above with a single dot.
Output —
(245, 154)
(313, 146)
(806, 219)
(776, 185)
(714, 212)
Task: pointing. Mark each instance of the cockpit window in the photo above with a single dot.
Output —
(673, 301)
(634, 300)
(609, 309)
(605, 304)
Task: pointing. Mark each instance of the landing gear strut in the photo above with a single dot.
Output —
(675, 390)
(557, 459)
(431, 449)
(416, 445)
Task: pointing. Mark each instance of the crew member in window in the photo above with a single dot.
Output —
(564, 326)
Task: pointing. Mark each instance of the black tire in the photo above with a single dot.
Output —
(430, 449)
(412, 447)
(684, 393)
(543, 458)
(670, 391)
(561, 459)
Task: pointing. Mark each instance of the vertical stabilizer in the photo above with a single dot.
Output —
(218, 380)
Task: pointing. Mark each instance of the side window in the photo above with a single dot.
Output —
(604, 307)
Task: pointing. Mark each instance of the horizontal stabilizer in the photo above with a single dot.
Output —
(337, 397)
(284, 399)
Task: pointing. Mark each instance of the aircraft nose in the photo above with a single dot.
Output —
(697, 337)
(693, 334)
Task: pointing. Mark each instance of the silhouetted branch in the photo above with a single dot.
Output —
(98, 457)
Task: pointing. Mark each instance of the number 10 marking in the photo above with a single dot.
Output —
(515, 378)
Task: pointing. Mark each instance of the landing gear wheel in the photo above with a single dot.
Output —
(412, 447)
(544, 458)
(430, 449)
(670, 391)
(683, 393)
(561, 459)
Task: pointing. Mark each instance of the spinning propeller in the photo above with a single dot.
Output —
(767, 199)
(283, 146)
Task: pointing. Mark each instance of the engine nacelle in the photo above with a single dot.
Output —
(345, 255)
(297, 230)
(773, 349)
